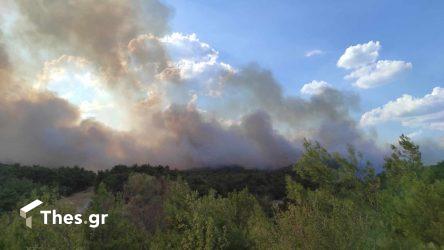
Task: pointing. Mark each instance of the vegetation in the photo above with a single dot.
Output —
(326, 201)
(19, 182)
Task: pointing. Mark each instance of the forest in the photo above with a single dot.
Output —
(324, 201)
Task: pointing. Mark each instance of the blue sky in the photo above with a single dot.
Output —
(278, 34)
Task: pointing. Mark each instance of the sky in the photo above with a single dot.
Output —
(281, 35)
(215, 83)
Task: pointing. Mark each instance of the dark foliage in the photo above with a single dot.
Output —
(17, 182)
(262, 183)
(327, 201)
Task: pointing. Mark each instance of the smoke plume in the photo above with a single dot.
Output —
(97, 83)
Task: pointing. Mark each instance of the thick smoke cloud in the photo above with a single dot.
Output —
(4, 60)
(324, 117)
(44, 129)
(96, 29)
(5, 66)
(184, 107)
(196, 142)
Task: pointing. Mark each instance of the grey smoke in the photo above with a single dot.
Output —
(39, 127)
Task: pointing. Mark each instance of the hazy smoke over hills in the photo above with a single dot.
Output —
(157, 98)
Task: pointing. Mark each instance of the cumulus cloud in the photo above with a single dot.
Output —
(193, 57)
(314, 87)
(367, 72)
(426, 111)
(376, 74)
(181, 105)
(359, 55)
(315, 52)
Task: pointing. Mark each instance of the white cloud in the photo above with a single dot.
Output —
(177, 58)
(315, 52)
(378, 73)
(427, 112)
(314, 87)
(359, 55)
(189, 47)
(192, 56)
(367, 71)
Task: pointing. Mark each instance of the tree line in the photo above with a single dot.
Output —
(325, 201)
